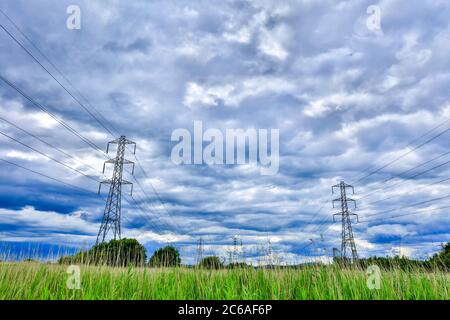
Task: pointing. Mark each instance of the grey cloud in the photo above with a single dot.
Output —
(343, 99)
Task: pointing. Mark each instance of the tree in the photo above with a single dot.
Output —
(212, 262)
(442, 259)
(165, 257)
(116, 253)
(237, 265)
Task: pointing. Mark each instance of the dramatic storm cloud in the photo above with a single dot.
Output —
(347, 99)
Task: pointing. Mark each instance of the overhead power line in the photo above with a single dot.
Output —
(47, 156)
(154, 191)
(409, 192)
(404, 215)
(35, 46)
(48, 144)
(72, 186)
(65, 153)
(411, 143)
(48, 177)
(54, 78)
(409, 170)
(52, 115)
(65, 88)
(406, 180)
(410, 205)
(405, 154)
(146, 217)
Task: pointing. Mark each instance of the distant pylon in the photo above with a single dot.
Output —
(235, 252)
(200, 251)
(112, 213)
(348, 242)
(242, 252)
(269, 252)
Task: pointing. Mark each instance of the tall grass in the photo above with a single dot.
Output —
(34, 280)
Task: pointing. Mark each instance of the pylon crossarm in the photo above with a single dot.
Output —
(116, 141)
(107, 146)
(345, 185)
(131, 142)
(103, 182)
(339, 199)
(342, 185)
(353, 189)
(336, 214)
(128, 183)
(354, 214)
(352, 200)
(126, 141)
(125, 161)
(108, 161)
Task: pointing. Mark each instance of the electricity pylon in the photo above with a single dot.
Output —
(200, 251)
(234, 252)
(112, 213)
(269, 253)
(242, 253)
(348, 241)
(235, 249)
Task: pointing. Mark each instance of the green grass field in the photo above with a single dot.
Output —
(33, 280)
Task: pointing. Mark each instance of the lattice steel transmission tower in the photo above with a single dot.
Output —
(348, 242)
(269, 253)
(200, 251)
(242, 252)
(234, 252)
(112, 213)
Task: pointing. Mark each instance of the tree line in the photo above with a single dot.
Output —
(129, 252)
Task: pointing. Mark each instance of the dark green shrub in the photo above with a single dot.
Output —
(165, 257)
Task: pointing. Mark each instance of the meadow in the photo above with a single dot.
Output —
(34, 280)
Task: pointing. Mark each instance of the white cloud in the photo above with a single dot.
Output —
(343, 98)
(338, 102)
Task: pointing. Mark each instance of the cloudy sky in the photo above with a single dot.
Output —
(349, 100)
